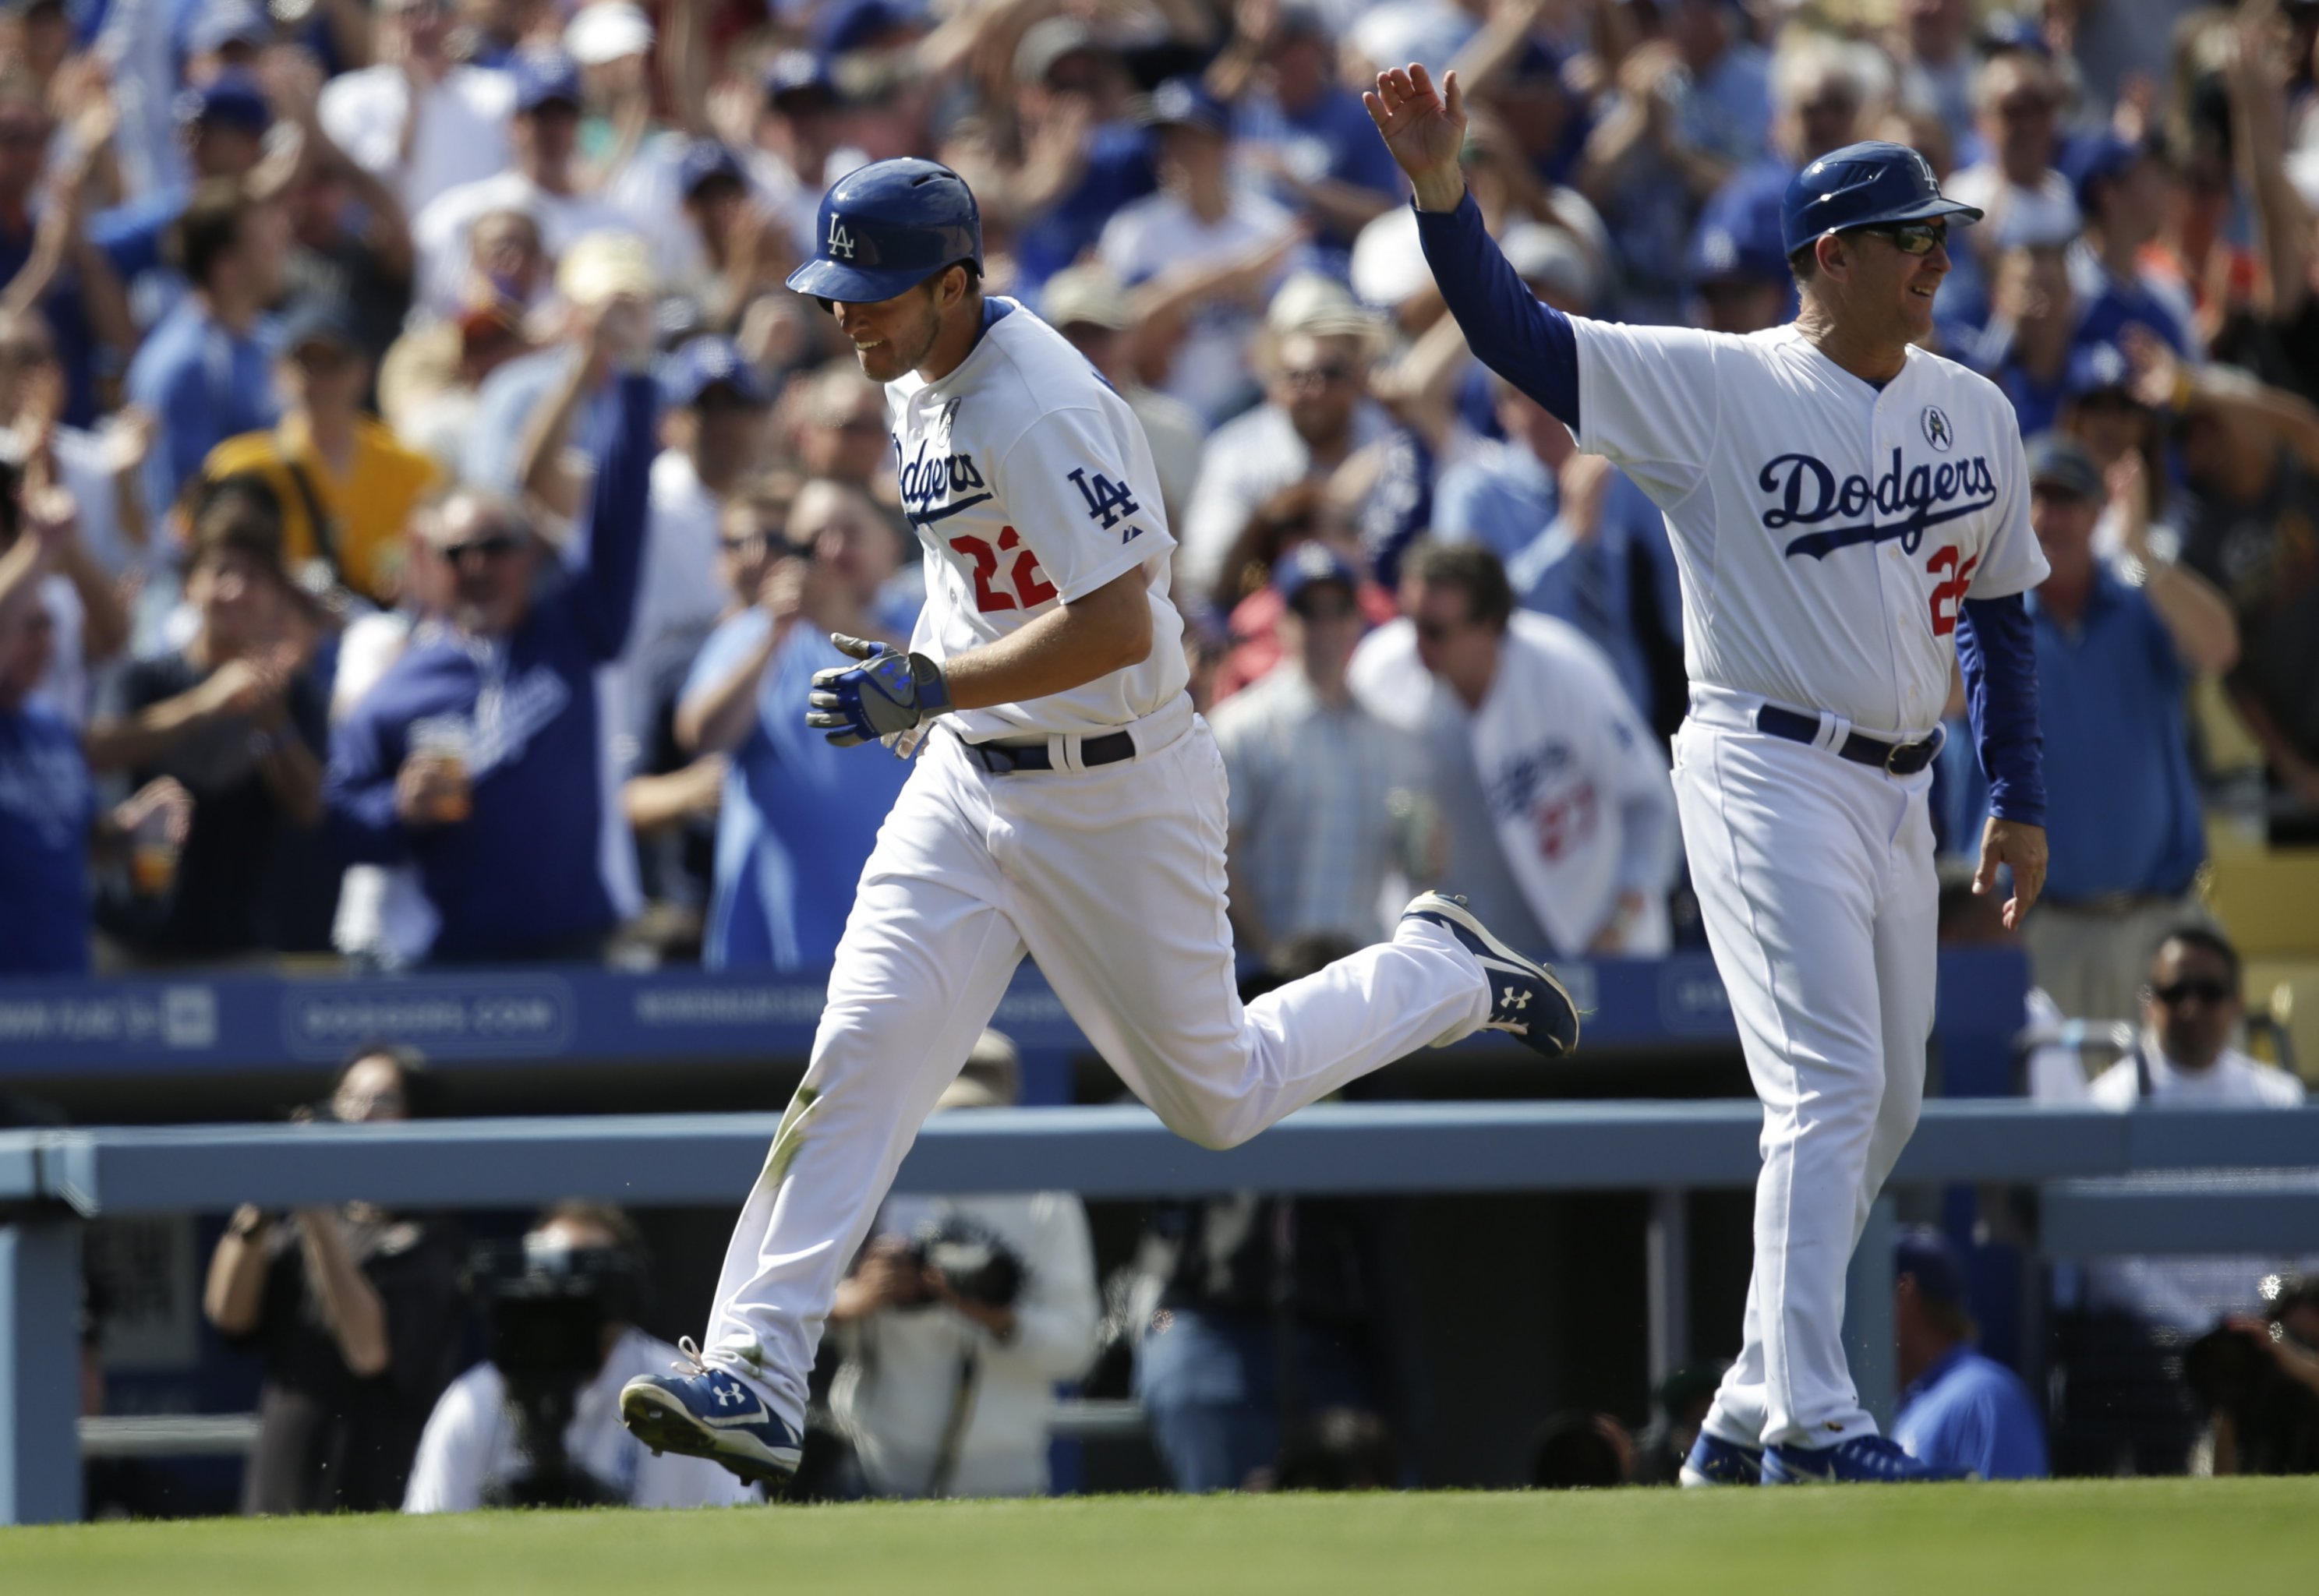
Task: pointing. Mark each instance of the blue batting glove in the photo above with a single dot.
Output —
(889, 691)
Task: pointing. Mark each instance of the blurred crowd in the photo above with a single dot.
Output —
(422, 508)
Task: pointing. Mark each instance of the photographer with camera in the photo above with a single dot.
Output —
(2257, 1373)
(959, 1318)
(538, 1423)
(357, 1313)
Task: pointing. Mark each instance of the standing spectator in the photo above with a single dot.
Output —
(48, 804)
(2115, 658)
(45, 258)
(840, 431)
(1303, 129)
(235, 717)
(1088, 305)
(948, 1379)
(2030, 339)
(2192, 1003)
(206, 371)
(1328, 803)
(2120, 187)
(798, 816)
(543, 181)
(41, 544)
(350, 234)
(480, 758)
(1194, 254)
(1317, 414)
(1248, 603)
(1554, 798)
(1959, 1409)
(2017, 103)
(1081, 160)
(345, 483)
(223, 125)
(471, 1447)
(420, 120)
(357, 1313)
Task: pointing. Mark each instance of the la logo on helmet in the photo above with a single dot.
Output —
(841, 242)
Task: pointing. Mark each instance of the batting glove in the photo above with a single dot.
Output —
(889, 693)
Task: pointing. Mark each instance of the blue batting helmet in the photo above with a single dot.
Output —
(888, 226)
(1859, 186)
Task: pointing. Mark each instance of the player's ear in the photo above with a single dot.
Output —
(1828, 250)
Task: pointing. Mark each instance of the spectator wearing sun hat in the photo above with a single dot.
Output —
(1959, 1408)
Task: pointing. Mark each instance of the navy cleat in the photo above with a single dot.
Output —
(1525, 999)
(1714, 1461)
(1865, 1459)
(705, 1412)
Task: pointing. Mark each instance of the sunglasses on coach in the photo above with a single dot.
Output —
(1910, 238)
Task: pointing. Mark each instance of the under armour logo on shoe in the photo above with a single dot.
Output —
(726, 1396)
(1514, 999)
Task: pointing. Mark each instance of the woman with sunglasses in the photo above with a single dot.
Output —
(1850, 515)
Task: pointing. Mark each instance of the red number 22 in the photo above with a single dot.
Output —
(1031, 588)
(1949, 593)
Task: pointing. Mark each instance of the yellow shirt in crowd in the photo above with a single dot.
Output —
(368, 506)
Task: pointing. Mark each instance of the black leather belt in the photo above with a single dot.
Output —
(1894, 759)
(1004, 759)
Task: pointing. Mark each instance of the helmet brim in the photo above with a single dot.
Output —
(1931, 209)
(854, 286)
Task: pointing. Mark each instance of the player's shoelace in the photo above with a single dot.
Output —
(691, 1364)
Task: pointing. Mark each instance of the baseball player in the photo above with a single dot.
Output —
(1849, 514)
(1065, 802)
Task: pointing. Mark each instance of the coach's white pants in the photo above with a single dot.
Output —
(1113, 878)
(1815, 887)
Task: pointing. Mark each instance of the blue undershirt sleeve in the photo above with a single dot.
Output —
(1530, 345)
(1997, 648)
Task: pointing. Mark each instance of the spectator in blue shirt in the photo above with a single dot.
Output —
(48, 804)
(1958, 1407)
(2115, 651)
(206, 372)
(798, 816)
(222, 127)
(2028, 345)
(479, 758)
(1088, 160)
(45, 256)
(1303, 130)
(2121, 191)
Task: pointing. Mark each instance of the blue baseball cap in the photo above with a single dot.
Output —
(1739, 239)
(230, 100)
(858, 24)
(704, 161)
(1186, 102)
(544, 78)
(318, 319)
(2098, 158)
(798, 75)
(1308, 564)
(1922, 1252)
(705, 363)
(1861, 186)
(2057, 460)
(2096, 368)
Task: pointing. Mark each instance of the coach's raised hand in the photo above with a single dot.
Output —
(1425, 129)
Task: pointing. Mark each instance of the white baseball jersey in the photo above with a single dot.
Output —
(1029, 481)
(1826, 530)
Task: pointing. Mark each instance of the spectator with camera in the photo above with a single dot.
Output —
(959, 1318)
(357, 1313)
(479, 758)
(1959, 1409)
(798, 816)
(2258, 1375)
(564, 1341)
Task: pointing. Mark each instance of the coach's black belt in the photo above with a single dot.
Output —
(1896, 759)
(1004, 759)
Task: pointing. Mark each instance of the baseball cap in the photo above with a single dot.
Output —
(991, 1077)
(2097, 158)
(796, 76)
(2096, 368)
(231, 100)
(1548, 257)
(317, 322)
(1924, 1253)
(705, 363)
(606, 31)
(1312, 302)
(1739, 239)
(2011, 31)
(1308, 564)
(543, 78)
(1046, 42)
(2059, 461)
(1859, 186)
(1186, 102)
(860, 24)
(704, 161)
(1087, 293)
(600, 266)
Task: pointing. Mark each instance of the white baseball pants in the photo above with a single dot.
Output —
(1815, 887)
(1113, 878)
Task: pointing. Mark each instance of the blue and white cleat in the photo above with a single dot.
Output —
(705, 1412)
(1714, 1461)
(1865, 1459)
(1525, 999)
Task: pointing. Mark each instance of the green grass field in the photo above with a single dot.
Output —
(2179, 1537)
